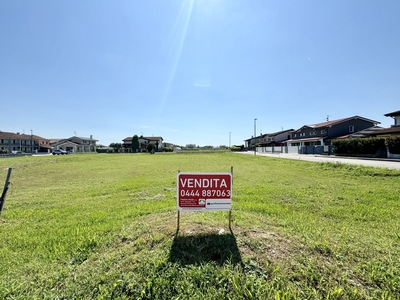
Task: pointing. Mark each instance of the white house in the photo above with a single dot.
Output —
(76, 144)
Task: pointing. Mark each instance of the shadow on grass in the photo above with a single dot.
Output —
(203, 248)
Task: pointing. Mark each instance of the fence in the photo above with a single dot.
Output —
(296, 149)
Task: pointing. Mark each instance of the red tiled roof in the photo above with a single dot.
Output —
(12, 135)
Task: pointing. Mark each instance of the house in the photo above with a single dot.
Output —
(27, 143)
(269, 139)
(368, 132)
(76, 144)
(249, 143)
(143, 141)
(156, 140)
(275, 139)
(321, 134)
(394, 129)
(396, 116)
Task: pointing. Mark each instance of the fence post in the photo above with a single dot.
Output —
(3, 195)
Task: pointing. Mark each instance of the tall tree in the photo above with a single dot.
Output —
(135, 143)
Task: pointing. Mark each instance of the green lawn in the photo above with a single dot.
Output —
(102, 226)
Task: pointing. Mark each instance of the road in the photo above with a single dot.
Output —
(379, 163)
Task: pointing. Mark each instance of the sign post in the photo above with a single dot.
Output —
(204, 192)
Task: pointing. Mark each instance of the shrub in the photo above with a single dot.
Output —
(150, 147)
(393, 144)
(363, 146)
(237, 148)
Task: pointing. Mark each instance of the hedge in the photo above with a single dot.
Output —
(358, 146)
(393, 144)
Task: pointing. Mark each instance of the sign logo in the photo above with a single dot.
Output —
(204, 191)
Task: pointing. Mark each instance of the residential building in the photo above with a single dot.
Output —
(275, 139)
(368, 132)
(143, 141)
(269, 139)
(248, 144)
(396, 116)
(27, 143)
(394, 129)
(321, 134)
(76, 144)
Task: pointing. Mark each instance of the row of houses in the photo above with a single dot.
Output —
(321, 134)
(19, 142)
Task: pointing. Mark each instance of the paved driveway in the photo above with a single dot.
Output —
(380, 163)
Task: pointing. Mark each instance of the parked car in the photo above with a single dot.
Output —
(59, 151)
(15, 152)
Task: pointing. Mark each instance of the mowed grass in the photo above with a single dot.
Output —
(103, 226)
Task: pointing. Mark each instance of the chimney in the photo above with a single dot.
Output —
(91, 137)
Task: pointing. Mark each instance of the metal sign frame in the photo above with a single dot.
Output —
(204, 192)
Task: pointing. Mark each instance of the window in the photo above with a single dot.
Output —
(351, 128)
(313, 133)
(323, 131)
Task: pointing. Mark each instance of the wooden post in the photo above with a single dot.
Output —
(3, 195)
(178, 221)
(179, 215)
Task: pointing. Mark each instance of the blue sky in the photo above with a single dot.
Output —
(194, 71)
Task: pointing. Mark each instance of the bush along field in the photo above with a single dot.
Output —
(103, 226)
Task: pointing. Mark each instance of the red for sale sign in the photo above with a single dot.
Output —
(204, 191)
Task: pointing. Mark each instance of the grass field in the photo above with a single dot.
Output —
(102, 226)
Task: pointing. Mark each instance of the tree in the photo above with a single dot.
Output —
(150, 147)
(135, 143)
(115, 146)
